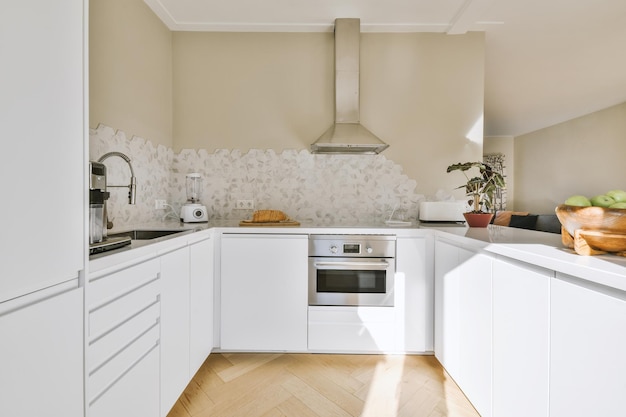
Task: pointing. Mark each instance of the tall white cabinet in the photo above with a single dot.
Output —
(43, 139)
(43, 131)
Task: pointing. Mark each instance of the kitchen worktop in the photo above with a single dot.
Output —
(538, 248)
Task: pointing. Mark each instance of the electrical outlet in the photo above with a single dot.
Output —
(160, 204)
(244, 205)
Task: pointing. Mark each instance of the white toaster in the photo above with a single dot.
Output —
(442, 211)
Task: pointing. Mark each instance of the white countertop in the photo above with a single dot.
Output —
(538, 248)
(542, 249)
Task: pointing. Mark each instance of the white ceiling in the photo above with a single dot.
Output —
(547, 61)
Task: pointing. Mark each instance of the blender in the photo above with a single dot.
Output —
(192, 211)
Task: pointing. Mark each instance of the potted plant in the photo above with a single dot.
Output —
(481, 190)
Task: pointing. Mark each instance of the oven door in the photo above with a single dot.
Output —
(351, 281)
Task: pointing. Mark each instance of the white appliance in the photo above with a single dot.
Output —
(193, 211)
(442, 211)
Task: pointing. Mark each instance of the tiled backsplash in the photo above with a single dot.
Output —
(330, 189)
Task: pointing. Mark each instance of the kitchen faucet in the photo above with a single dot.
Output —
(133, 181)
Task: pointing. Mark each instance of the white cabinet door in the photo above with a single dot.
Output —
(415, 305)
(174, 326)
(447, 304)
(475, 328)
(587, 349)
(43, 136)
(201, 314)
(463, 297)
(521, 339)
(264, 292)
(41, 353)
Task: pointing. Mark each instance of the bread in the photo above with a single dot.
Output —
(268, 216)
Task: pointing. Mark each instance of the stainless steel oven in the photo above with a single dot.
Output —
(351, 270)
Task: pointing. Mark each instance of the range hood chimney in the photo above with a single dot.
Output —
(347, 135)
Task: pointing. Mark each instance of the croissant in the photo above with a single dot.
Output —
(268, 216)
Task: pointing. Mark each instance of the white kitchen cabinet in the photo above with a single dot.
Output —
(123, 335)
(42, 115)
(42, 358)
(44, 131)
(587, 349)
(264, 292)
(447, 304)
(201, 303)
(414, 306)
(134, 394)
(475, 329)
(521, 339)
(463, 321)
(350, 329)
(175, 330)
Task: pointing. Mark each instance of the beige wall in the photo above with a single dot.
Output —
(505, 146)
(130, 60)
(421, 93)
(581, 156)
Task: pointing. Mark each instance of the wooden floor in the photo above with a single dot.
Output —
(320, 385)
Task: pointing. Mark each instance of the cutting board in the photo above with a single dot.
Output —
(285, 223)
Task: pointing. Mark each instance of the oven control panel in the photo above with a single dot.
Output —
(379, 246)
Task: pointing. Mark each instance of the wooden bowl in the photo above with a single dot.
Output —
(593, 230)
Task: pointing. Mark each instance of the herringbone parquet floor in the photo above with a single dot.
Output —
(320, 385)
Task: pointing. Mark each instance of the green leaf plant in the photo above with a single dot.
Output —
(480, 188)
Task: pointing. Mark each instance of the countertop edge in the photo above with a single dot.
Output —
(537, 248)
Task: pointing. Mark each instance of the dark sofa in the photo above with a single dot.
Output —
(524, 220)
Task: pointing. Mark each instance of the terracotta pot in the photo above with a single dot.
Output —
(477, 219)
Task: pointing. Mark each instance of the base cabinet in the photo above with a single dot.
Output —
(201, 303)
(521, 339)
(264, 292)
(174, 327)
(414, 301)
(587, 349)
(463, 320)
(135, 393)
(475, 329)
(352, 329)
(123, 337)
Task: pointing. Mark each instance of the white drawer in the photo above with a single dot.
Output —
(108, 287)
(122, 307)
(103, 349)
(106, 377)
(352, 329)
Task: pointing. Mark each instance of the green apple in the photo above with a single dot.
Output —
(578, 200)
(618, 195)
(602, 200)
(619, 205)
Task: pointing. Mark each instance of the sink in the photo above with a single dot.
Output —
(146, 234)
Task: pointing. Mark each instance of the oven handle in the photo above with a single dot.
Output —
(382, 265)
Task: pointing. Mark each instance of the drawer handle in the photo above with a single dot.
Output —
(120, 376)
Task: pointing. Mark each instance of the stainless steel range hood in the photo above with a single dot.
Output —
(347, 135)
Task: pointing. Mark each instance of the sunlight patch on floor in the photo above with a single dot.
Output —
(383, 398)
